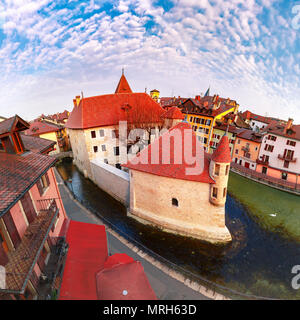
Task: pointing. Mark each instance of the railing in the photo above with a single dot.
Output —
(22, 260)
(209, 285)
(261, 177)
(263, 162)
(287, 158)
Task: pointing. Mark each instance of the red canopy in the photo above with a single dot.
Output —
(124, 282)
(87, 254)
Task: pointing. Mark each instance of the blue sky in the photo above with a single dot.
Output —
(50, 51)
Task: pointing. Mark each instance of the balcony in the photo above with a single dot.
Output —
(21, 261)
(263, 162)
(287, 158)
(246, 149)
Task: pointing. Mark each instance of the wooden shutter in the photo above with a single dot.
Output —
(12, 230)
(28, 208)
(40, 187)
(47, 179)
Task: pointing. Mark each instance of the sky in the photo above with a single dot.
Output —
(51, 51)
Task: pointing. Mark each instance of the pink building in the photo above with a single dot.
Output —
(279, 155)
(31, 209)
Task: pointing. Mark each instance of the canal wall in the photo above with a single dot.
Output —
(112, 180)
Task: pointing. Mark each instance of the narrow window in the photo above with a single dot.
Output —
(215, 192)
(224, 192)
(217, 169)
(227, 170)
(93, 134)
(106, 161)
(101, 133)
(103, 147)
(95, 149)
(174, 202)
(117, 151)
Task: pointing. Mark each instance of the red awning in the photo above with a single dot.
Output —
(87, 254)
(124, 282)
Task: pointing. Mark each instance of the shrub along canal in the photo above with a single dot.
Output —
(264, 223)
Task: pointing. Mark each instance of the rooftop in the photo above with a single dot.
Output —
(173, 170)
(38, 127)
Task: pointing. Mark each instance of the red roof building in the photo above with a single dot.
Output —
(173, 170)
(109, 109)
(31, 209)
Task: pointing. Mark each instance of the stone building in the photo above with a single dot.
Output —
(93, 126)
(166, 195)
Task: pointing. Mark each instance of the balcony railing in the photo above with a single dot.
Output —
(19, 268)
(263, 162)
(287, 158)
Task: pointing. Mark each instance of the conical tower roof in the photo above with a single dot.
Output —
(222, 153)
(123, 86)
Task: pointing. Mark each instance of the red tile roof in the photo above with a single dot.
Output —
(42, 126)
(7, 125)
(252, 116)
(125, 281)
(173, 113)
(123, 86)
(205, 106)
(250, 135)
(173, 170)
(108, 110)
(277, 129)
(36, 144)
(222, 153)
(18, 173)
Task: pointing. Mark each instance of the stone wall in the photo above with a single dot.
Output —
(112, 180)
(151, 200)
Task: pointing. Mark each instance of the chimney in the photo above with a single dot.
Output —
(288, 125)
(198, 98)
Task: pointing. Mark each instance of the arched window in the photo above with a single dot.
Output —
(174, 202)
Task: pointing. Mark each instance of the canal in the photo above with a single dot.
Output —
(258, 261)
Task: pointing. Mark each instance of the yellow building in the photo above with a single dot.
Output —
(50, 131)
(203, 113)
(155, 95)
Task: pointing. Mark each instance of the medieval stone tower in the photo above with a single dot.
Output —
(219, 171)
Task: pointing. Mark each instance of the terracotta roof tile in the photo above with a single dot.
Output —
(36, 144)
(173, 170)
(107, 110)
(18, 173)
(123, 86)
(222, 153)
(173, 113)
(42, 126)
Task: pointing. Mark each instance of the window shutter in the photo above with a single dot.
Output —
(28, 207)
(47, 179)
(12, 230)
(40, 187)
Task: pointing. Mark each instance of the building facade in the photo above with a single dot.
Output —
(279, 155)
(31, 210)
(246, 148)
(203, 113)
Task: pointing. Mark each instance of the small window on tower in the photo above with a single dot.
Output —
(217, 169)
(227, 170)
(215, 192)
(174, 202)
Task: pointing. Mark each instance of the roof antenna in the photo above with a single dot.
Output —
(123, 71)
(145, 89)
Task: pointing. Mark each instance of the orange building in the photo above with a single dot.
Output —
(246, 148)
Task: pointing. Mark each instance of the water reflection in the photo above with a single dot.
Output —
(256, 262)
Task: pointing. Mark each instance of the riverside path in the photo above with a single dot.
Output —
(165, 286)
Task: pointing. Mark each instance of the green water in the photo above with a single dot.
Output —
(274, 210)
